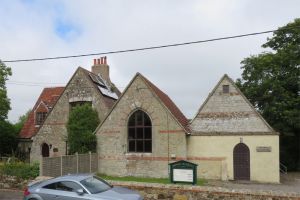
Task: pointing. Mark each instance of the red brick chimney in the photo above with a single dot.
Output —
(101, 68)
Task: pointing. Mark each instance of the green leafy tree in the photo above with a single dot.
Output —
(8, 138)
(22, 119)
(4, 101)
(83, 121)
(271, 82)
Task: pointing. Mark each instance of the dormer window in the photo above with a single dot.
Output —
(40, 117)
(225, 89)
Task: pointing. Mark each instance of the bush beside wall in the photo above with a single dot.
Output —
(20, 170)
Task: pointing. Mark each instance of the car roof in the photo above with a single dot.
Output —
(73, 177)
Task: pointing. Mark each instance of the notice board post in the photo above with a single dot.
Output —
(183, 172)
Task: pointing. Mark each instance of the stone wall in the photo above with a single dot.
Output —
(53, 131)
(185, 192)
(12, 182)
(168, 137)
(228, 112)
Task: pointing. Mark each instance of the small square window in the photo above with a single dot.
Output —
(40, 118)
(226, 89)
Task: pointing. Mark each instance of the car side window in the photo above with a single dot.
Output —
(68, 186)
(51, 186)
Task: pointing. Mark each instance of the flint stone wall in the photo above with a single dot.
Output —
(153, 191)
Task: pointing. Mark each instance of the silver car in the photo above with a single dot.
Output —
(78, 187)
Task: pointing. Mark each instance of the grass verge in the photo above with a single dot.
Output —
(200, 182)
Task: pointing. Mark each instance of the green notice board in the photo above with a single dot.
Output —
(183, 172)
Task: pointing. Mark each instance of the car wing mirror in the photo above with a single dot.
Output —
(80, 191)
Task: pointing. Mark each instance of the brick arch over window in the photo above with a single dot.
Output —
(139, 132)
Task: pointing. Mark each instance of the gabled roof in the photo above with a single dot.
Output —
(47, 98)
(31, 130)
(164, 99)
(217, 112)
(108, 100)
(167, 101)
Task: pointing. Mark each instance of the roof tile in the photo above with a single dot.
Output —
(49, 97)
(169, 104)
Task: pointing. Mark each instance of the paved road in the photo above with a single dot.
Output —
(11, 195)
(290, 183)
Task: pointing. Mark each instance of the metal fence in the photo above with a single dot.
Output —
(71, 164)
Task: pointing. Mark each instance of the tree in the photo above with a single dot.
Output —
(4, 101)
(22, 119)
(271, 82)
(83, 121)
(8, 138)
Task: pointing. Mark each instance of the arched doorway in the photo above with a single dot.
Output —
(45, 150)
(241, 162)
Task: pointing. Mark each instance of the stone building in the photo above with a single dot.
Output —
(232, 138)
(142, 133)
(228, 138)
(84, 86)
(36, 117)
(141, 130)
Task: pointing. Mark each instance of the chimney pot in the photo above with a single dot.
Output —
(100, 67)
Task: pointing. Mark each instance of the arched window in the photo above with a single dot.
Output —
(139, 133)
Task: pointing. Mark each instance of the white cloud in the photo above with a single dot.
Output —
(186, 74)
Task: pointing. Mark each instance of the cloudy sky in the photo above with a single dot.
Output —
(35, 28)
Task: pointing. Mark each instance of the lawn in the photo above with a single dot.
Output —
(200, 182)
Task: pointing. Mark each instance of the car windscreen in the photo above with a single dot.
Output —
(95, 184)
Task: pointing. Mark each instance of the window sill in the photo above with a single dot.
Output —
(138, 154)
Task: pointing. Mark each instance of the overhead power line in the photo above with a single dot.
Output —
(147, 48)
(43, 84)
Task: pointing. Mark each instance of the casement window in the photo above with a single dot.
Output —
(40, 117)
(139, 133)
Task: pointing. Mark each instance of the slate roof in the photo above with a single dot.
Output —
(108, 100)
(48, 97)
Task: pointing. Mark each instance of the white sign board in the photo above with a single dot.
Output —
(184, 175)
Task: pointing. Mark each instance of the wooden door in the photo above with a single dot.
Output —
(45, 150)
(241, 162)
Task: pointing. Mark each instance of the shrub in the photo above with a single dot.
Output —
(20, 170)
(83, 121)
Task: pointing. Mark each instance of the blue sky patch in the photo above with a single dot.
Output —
(66, 30)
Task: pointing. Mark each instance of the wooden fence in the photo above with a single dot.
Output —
(70, 164)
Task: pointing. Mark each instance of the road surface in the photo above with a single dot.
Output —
(11, 194)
